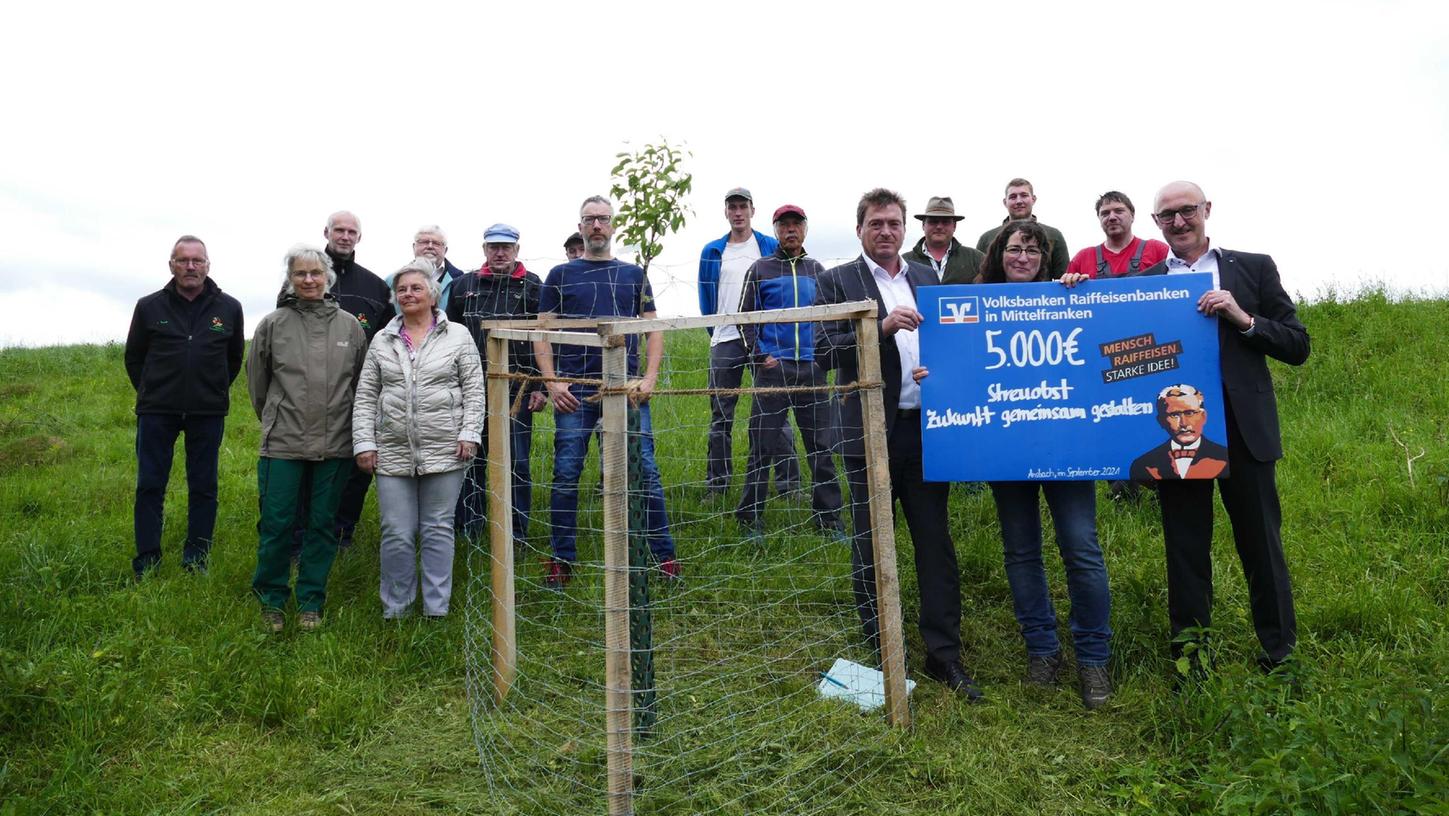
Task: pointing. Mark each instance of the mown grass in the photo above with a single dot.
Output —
(165, 697)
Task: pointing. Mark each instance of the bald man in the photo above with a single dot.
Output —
(1256, 320)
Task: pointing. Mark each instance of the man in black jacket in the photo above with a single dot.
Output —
(502, 290)
(882, 275)
(365, 296)
(183, 351)
(1256, 320)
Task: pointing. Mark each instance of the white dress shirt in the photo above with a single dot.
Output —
(1207, 263)
(896, 291)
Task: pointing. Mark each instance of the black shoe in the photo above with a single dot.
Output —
(344, 537)
(1285, 670)
(196, 566)
(140, 569)
(1096, 686)
(1189, 672)
(1041, 670)
(955, 678)
(752, 532)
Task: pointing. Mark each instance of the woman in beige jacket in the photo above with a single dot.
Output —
(301, 371)
(416, 423)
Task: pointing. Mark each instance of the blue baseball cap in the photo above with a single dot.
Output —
(500, 234)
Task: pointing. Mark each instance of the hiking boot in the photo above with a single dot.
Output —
(670, 569)
(953, 675)
(309, 621)
(273, 620)
(835, 535)
(1095, 684)
(753, 532)
(1041, 670)
(560, 572)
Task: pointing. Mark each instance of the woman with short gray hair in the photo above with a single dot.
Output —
(301, 372)
(416, 423)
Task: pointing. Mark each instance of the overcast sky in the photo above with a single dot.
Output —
(1309, 125)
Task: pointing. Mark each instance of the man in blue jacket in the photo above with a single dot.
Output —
(722, 268)
(783, 355)
(183, 351)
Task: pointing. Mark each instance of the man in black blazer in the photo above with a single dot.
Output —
(1187, 454)
(1256, 320)
(882, 275)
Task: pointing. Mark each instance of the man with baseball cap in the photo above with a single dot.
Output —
(783, 355)
(939, 249)
(722, 267)
(501, 290)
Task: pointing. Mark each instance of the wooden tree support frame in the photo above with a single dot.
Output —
(611, 337)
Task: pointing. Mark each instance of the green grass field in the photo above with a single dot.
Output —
(166, 697)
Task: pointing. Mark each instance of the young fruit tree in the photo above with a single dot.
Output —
(650, 186)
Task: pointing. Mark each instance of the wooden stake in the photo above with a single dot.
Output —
(882, 524)
(619, 703)
(500, 521)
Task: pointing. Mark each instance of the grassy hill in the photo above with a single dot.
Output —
(166, 697)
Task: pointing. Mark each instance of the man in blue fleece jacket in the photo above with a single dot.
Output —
(722, 267)
(783, 355)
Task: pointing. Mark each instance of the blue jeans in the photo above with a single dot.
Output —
(473, 498)
(155, 444)
(570, 445)
(1074, 514)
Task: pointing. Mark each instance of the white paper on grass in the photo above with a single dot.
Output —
(859, 684)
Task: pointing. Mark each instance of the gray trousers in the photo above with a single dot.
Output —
(727, 364)
(417, 524)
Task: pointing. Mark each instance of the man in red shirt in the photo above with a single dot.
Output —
(1121, 253)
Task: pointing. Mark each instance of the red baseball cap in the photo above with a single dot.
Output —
(788, 209)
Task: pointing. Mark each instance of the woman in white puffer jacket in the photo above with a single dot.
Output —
(416, 423)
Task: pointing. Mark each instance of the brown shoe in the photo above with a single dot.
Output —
(308, 621)
(273, 620)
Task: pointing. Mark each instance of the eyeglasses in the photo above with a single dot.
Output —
(187, 263)
(1030, 252)
(596, 219)
(1188, 213)
(428, 242)
(1188, 413)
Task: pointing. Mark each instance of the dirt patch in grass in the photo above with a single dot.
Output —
(33, 450)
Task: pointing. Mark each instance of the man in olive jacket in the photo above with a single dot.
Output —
(1019, 201)
(183, 351)
(939, 249)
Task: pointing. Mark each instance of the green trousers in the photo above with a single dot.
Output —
(280, 484)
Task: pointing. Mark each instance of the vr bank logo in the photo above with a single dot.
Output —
(960, 310)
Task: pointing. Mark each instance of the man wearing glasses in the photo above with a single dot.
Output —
(1187, 454)
(1019, 201)
(594, 286)
(1256, 320)
(183, 351)
(503, 289)
(431, 243)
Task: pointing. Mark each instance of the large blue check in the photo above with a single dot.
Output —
(1033, 381)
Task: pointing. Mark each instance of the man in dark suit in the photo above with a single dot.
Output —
(1256, 320)
(882, 275)
(1182, 412)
